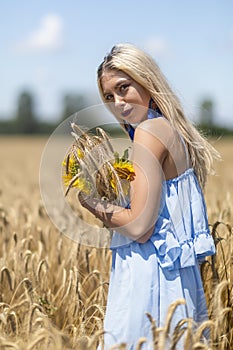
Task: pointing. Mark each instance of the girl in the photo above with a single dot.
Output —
(160, 237)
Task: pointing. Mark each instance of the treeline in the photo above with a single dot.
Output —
(26, 120)
(206, 123)
(214, 130)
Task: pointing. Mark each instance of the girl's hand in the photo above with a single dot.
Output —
(83, 199)
(89, 202)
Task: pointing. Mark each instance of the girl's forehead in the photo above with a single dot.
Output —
(111, 79)
(113, 73)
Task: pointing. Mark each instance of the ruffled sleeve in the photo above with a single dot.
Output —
(181, 235)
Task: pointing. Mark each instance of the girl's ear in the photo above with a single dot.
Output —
(152, 104)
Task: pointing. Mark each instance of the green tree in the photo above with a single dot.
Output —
(207, 112)
(26, 121)
(72, 103)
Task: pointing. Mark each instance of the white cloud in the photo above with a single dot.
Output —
(47, 37)
(157, 47)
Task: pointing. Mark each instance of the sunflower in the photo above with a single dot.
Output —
(81, 167)
(80, 183)
(124, 172)
(71, 165)
(72, 169)
(124, 169)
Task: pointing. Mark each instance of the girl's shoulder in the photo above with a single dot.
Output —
(161, 129)
(170, 139)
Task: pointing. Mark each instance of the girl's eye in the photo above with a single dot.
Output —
(108, 97)
(124, 87)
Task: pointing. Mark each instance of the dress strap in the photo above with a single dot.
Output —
(187, 157)
(130, 129)
(153, 112)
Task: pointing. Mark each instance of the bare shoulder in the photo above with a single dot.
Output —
(153, 136)
(158, 128)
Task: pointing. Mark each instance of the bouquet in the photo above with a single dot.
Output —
(92, 166)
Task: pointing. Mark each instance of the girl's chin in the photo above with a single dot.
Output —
(131, 119)
(134, 120)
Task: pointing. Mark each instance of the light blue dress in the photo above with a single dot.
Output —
(148, 277)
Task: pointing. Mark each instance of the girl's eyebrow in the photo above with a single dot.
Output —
(123, 80)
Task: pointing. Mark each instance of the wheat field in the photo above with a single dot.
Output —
(53, 291)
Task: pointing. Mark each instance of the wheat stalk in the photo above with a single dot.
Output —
(6, 271)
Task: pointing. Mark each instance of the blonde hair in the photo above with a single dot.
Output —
(143, 69)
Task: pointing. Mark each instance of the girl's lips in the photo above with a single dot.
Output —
(126, 113)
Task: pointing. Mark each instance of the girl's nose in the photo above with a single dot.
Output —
(119, 101)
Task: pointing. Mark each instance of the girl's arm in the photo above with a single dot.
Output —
(137, 222)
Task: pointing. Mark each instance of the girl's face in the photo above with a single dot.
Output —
(129, 100)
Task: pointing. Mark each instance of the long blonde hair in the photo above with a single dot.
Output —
(143, 69)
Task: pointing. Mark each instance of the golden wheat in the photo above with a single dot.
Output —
(53, 291)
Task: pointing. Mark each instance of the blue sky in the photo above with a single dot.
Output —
(54, 47)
